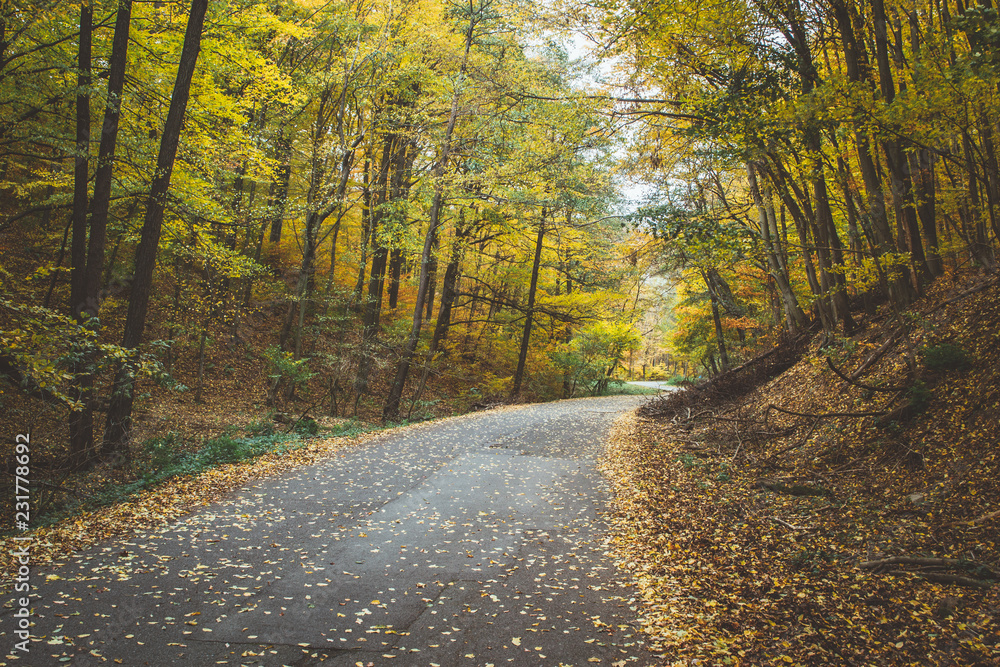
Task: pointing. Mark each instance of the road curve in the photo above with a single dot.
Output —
(469, 541)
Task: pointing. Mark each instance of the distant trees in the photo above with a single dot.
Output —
(854, 142)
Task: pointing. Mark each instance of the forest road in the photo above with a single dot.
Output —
(472, 541)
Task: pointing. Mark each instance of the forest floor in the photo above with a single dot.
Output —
(816, 520)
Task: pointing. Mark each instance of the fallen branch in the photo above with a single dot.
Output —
(878, 354)
(912, 560)
(941, 578)
(691, 417)
(822, 415)
(973, 522)
(803, 440)
(790, 526)
(951, 563)
(961, 295)
(861, 385)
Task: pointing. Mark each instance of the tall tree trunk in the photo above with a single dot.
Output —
(791, 194)
(310, 241)
(106, 155)
(990, 167)
(117, 434)
(81, 421)
(720, 338)
(306, 280)
(395, 271)
(449, 291)
(331, 276)
(391, 409)
(372, 307)
(366, 217)
(432, 269)
(922, 171)
(795, 318)
(880, 235)
(81, 166)
(529, 314)
(279, 188)
(901, 184)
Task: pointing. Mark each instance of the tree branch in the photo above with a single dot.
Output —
(848, 380)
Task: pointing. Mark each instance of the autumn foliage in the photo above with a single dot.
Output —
(815, 520)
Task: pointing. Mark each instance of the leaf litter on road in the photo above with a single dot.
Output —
(410, 549)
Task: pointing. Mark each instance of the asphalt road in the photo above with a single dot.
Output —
(470, 541)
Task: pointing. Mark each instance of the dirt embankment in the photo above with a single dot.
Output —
(843, 512)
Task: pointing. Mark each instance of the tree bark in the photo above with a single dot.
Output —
(81, 421)
(395, 271)
(391, 409)
(118, 432)
(901, 184)
(106, 155)
(879, 232)
(720, 338)
(529, 314)
(279, 188)
(81, 166)
(795, 318)
(449, 291)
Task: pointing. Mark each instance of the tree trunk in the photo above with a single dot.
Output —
(117, 434)
(366, 217)
(449, 291)
(901, 184)
(395, 270)
(795, 318)
(877, 229)
(391, 409)
(981, 248)
(529, 314)
(790, 195)
(81, 421)
(717, 320)
(201, 365)
(432, 269)
(372, 307)
(279, 188)
(81, 165)
(106, 155)
(922, 165)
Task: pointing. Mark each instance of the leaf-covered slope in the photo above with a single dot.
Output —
(816, 521)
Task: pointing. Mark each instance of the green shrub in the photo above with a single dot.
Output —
(163, 451)
(944, 357)
(263, 426)
(919, 395)
(223, 449)
(307, 426)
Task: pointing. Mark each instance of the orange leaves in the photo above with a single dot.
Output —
(730, 572)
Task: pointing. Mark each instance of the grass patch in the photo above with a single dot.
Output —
(622, 388)
(167, 457)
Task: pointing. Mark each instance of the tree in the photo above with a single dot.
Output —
(117, 433)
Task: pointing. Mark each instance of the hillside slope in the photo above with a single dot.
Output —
(823, 518)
